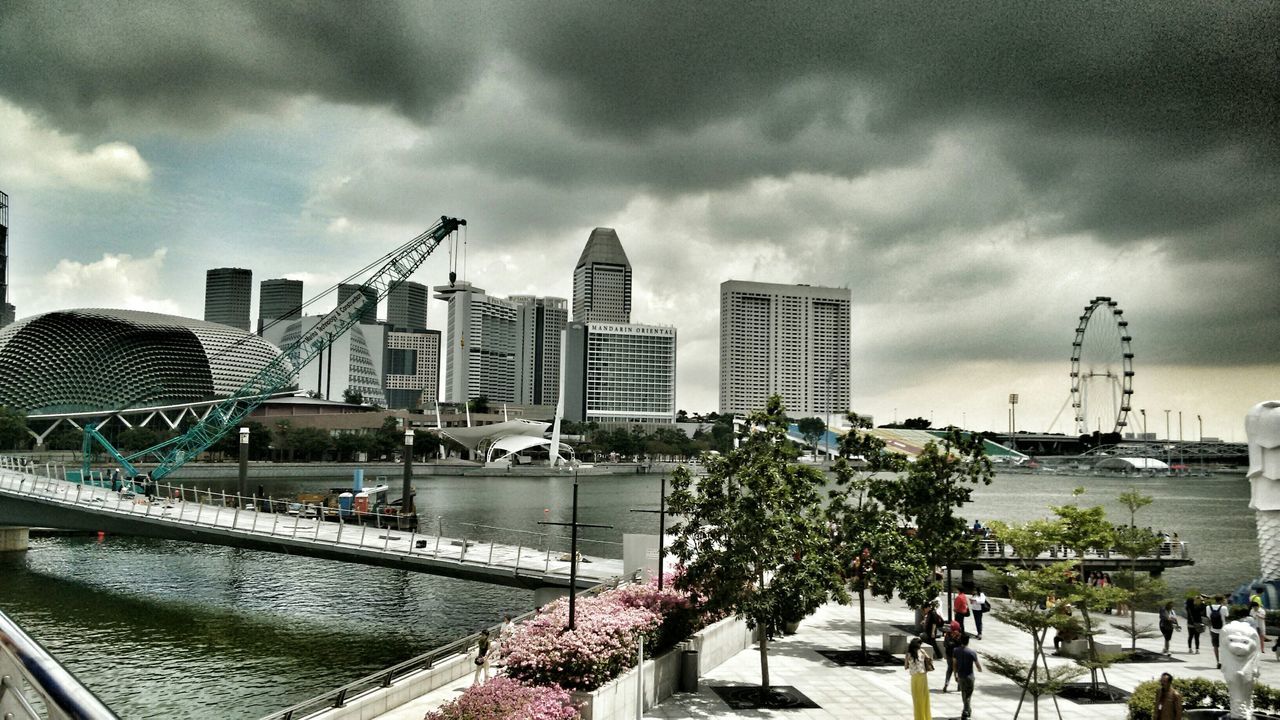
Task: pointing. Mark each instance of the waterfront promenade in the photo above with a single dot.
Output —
(884, 693)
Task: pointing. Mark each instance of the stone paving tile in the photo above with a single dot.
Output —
(884, 693)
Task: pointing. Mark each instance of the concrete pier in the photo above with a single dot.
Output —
(14, 539)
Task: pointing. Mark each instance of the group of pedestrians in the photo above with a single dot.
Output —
(961, 660)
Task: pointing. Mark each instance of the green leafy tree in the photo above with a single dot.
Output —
(934, 487)
(753, 538)
(65, 437)
(1028, 588)
(812, 428)
(871, 549)
(1134, 542)
(311, 443)
(479, 404)
(14, 434)
(1083, 530)
(352, 396)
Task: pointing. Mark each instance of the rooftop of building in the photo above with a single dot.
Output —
(603, 246)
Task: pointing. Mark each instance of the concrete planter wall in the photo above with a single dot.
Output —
(384, 700)
(617, 700)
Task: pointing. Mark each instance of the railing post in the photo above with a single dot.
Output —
(386, 539)
(296, 519)
(341, 525)
(436, 552)
(199, 508)
(253, 527)
(77, 500)
(275, 520)
(319, 520)
(490, 553)
(547, 568)
(519, 552)
(462, 556)
(235, 517)
(363, 529)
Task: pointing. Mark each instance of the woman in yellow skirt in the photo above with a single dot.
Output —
(918, 664)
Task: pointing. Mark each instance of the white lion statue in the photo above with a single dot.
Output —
(1240, 654)
(1262, 426)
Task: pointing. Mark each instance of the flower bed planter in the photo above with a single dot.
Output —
(616, 700)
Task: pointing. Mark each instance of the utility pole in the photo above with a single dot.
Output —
(573, 548)
(662, 528)
(1167, 436)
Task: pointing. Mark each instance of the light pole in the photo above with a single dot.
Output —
(1167, 435)
(1143, 411)
(407, 510)
(1200, 421)
(242, 487)
(1013, 418)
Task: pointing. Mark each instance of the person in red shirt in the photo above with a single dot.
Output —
(960, 608)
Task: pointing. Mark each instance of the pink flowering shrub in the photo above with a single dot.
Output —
(680, 618)
(505, 699)
(542, 651)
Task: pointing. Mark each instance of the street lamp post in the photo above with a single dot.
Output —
(1143, 411)
(1013, 418)
(1167, 435)
(1200, 421)
(407, 510)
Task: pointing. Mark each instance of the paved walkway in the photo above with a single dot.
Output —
(884, 693)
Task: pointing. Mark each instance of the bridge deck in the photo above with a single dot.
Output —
(35, 500)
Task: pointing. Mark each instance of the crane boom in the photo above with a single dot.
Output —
(282, 370)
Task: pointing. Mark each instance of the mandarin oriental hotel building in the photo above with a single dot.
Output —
(618, 373)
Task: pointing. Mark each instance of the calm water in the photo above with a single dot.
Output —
(163, 629)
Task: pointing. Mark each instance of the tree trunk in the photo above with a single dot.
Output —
(862, 620)
(764, 665)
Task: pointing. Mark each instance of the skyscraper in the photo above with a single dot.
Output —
(617, 373)
(368, 313)
(539, 321)
(412, 379)
(227, 295)
(480, 356)
(407, 306)
(6, 309)
(792, 340)
(602, 280)
(278, 299)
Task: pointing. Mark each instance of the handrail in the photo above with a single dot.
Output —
(26, 668)
(385, 678)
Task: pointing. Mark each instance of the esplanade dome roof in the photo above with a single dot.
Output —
(103, 359)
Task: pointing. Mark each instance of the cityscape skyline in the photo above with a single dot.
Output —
(973, 175)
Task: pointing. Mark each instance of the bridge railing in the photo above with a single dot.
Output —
(35, 686)
(993, 549)
(386, 678)
(533, 552)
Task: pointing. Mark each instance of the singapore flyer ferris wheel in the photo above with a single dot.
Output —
(1102, 368)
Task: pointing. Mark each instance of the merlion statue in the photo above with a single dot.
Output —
(1262, 426)
(1240, 665)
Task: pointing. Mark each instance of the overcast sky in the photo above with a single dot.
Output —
(974, 173)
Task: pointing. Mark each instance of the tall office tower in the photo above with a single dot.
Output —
(407, 306)
(412, 369)
(620, 374)
(539, 321)
(278, 299)
(602, 280)
(480, 355)
(6, 309)
(792, 340)
(227, 294)
(368, 313)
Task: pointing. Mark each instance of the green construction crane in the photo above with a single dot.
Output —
(281, 372)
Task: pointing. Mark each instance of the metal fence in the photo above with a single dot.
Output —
(35, 686)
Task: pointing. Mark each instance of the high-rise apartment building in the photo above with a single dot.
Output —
(792, 340)
(6, 308)
(278, 299)
(227, 295)
(539, 321)
(620, 374)
(412, 369)
(368, 313)
(407, 306)
(602, 280)
(481, 345)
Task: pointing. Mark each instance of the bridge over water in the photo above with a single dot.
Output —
(28, 499)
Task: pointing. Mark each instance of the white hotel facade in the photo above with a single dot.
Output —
(792, 340)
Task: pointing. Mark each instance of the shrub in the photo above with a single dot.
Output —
(502, 698)
(679, 617)
(1197, 693)
(543, 651)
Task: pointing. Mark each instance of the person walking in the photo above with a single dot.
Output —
(1168, 700)
(949, 644)
(966, 661)
(1258, 617)
(1168, 621)
(978, 605)
(1195, 623)
(918, 664)
(931, 627)
(482, 657)
(1217, 613)
(960, 608)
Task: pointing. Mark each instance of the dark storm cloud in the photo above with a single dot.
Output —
(104, 63)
